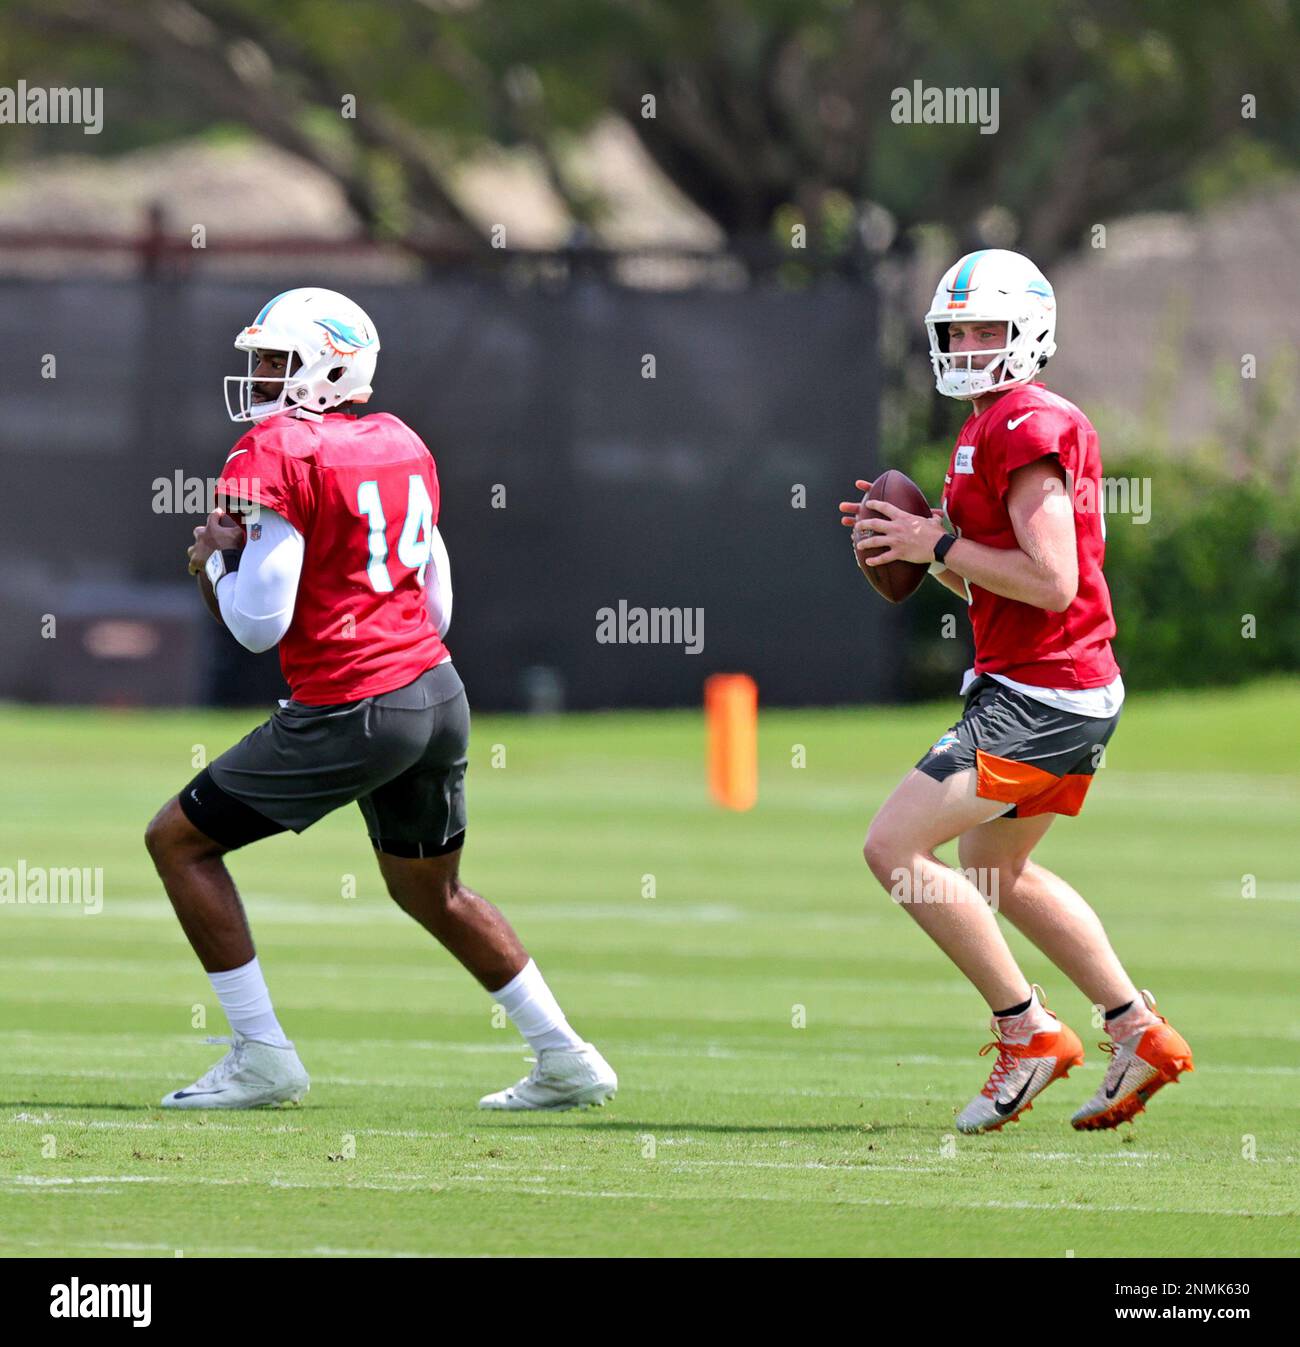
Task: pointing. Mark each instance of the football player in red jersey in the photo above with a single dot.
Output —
(1021, 538)
(339, 561)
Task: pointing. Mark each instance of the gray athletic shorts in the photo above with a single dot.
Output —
(1036, 758)
(401, 756)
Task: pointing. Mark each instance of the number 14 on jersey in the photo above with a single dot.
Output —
(413, 547)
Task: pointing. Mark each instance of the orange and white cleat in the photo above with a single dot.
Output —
(1152, 1056)
(1034, 1049)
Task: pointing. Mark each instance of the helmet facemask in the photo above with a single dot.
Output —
(306, 389)
(249, 407)
(1015, 362)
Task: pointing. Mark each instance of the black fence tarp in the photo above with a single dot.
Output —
(571, 481)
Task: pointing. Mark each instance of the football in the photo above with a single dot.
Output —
(895, 580)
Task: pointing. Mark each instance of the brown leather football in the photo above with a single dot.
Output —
(895, 580)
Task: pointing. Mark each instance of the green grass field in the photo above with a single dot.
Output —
(734, 1132)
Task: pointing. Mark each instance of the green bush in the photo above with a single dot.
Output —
(1206, 592)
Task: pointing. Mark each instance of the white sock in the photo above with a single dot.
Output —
(247, 1003)
(1137, 1016)
(535, 1012)
(1021, 1028)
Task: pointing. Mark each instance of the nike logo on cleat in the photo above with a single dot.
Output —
(192, 1094)
(1012, 1104)
(1110, 1094)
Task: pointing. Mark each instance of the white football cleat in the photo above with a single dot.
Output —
(1021, 1073)
(562, 1078)
(250, 1075)
(1150, 1058)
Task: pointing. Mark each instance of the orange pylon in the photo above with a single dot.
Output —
(731, 709)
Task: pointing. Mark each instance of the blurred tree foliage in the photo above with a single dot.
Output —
(765, 112)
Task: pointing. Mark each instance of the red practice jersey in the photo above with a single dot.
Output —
(1031, 645)
(363, 492)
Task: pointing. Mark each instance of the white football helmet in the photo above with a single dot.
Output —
(992, 285)
(336, 345)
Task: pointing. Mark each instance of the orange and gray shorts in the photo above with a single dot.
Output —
(1034, 757)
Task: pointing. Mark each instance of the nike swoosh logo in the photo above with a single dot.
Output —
(1110, 1094)
(1011, 425)
(1011, 1105)
(244, 451)
(193, 1094)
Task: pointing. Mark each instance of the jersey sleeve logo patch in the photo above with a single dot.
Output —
(965, 460)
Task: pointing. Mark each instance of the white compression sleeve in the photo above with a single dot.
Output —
(437, 583)
(256, 601)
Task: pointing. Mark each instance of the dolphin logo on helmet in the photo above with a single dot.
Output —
(344, 335)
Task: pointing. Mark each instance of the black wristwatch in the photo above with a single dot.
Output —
(942, 546)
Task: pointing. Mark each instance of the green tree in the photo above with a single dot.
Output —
(763, 111)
